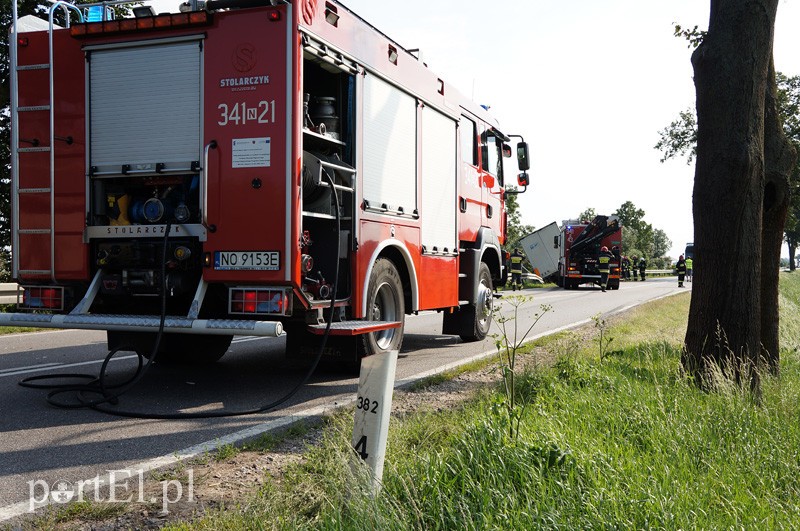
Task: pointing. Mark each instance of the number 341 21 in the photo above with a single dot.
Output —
(241, 113)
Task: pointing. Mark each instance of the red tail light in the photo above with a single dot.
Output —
(259, 301)
(44, 298)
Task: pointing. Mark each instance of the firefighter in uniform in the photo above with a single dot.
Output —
(689, 273)
(642, 267)
(604, 266)
(626, 268)
(634, 267)
(680, 267)
(516, 269)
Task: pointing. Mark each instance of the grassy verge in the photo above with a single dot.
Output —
(622, 442)
(5, 308)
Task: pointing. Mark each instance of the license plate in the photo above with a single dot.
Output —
(247, 260)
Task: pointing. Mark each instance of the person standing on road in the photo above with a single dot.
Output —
(680, 267)
(642, 267)
(516, 269)
(634, 266)
(626, 268)
(604, 266)
(689, 269)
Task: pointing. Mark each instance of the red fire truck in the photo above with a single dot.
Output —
(579, 243)
(247, 167)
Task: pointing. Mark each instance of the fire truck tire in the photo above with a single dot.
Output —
(385, 302)
(174, 348)
(477, 318)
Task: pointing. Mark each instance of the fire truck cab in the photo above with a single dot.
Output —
(247, 167)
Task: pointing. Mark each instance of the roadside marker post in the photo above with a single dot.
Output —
(373, 408)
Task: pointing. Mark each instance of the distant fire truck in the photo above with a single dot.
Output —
(569, 254)
(247, 167)
(580, 242)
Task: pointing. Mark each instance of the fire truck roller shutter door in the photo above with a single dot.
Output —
(438, 182)
(160, 121)
(390, 138)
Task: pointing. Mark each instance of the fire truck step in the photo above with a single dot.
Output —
(353, 328)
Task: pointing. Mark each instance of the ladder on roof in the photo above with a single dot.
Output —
(33, 145)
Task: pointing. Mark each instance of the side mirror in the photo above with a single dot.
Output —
(523, 179)
(506, 151)
(523, 159)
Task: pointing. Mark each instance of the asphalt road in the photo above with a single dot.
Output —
(46, 444)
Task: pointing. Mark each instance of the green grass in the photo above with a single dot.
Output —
(5, 330)
(56, 517)
(622, 443)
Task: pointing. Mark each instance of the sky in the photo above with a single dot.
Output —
(588, 83)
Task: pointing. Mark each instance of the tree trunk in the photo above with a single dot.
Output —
(731, 68)
(779, 158)
(792, 251)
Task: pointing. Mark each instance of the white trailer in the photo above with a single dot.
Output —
(541, 248)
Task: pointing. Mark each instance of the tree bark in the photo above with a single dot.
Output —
(779, 157)
(731, 69)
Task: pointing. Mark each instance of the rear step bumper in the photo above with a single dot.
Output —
(353, 328)
(144, 323)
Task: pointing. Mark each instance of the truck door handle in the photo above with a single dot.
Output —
(204, 181)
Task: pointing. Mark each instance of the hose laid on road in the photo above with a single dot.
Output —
(109, 394)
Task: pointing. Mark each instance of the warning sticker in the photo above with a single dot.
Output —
(250, 152)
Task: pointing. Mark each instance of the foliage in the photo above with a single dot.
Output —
(661, 243)
(603, 338)
(693, 36)
(508, 342)
(641, 234)
(588, 215)
(515, 229)
(789, 103)
(679, 139)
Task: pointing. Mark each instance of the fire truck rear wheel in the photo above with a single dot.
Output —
(384, 303)
(477, 318)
